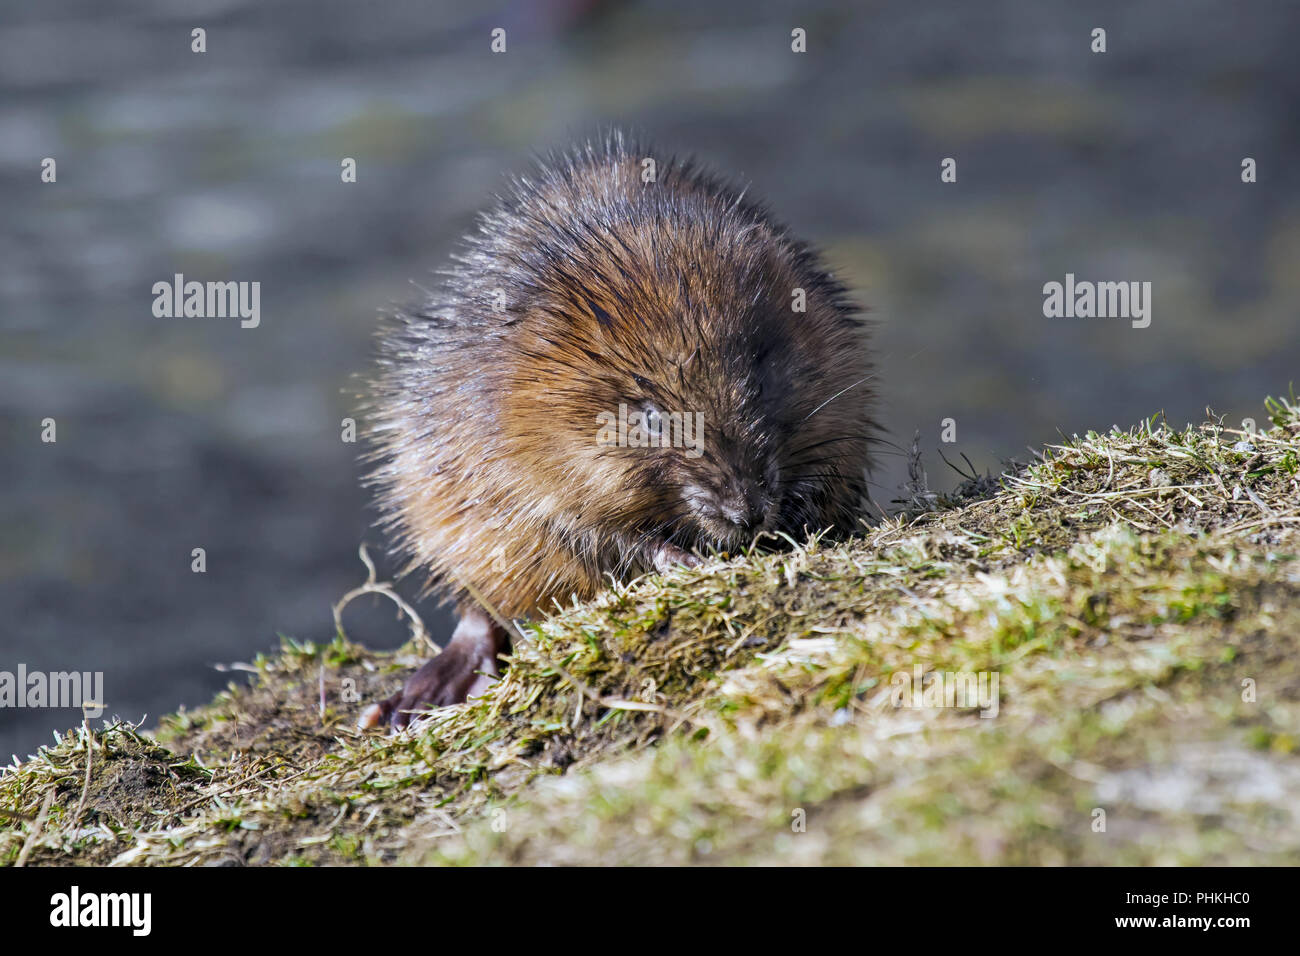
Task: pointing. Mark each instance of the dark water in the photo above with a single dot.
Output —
(182, 433)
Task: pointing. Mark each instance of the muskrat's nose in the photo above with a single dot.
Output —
(746, 509)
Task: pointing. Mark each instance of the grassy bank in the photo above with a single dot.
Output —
(1133, 597)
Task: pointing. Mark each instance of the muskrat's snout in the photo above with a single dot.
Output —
(732, 514)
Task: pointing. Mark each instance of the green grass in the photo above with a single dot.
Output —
(1136, 594)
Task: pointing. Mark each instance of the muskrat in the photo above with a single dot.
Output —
(629, 362)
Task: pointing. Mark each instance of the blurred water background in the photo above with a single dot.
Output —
(175, 434)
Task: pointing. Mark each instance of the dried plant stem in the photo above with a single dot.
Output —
(371, 586)
(39, 825)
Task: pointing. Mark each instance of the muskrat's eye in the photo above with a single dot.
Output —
(652, 418)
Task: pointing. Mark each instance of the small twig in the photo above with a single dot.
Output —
(230, 788)
(371, 586)
(35, 834)
(974, 472)
(1260, 522)
(1255, 498)
(85, 787)
(883, 513)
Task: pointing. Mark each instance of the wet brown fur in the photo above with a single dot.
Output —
(584, 288)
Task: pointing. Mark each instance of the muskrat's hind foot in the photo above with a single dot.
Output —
(466, 668)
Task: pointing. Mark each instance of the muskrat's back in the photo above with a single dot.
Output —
(606, 302)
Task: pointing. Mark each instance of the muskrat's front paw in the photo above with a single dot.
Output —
(450, 678)
(666, 556)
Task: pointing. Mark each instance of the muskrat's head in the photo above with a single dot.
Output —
(683, 371)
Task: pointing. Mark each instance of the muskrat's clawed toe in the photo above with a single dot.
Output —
(466, 668)
(372, 716)
(447, 679)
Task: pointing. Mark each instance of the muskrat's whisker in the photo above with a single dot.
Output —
(825, 441)
(865, 378)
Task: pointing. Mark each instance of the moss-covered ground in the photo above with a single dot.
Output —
(1129, 603)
